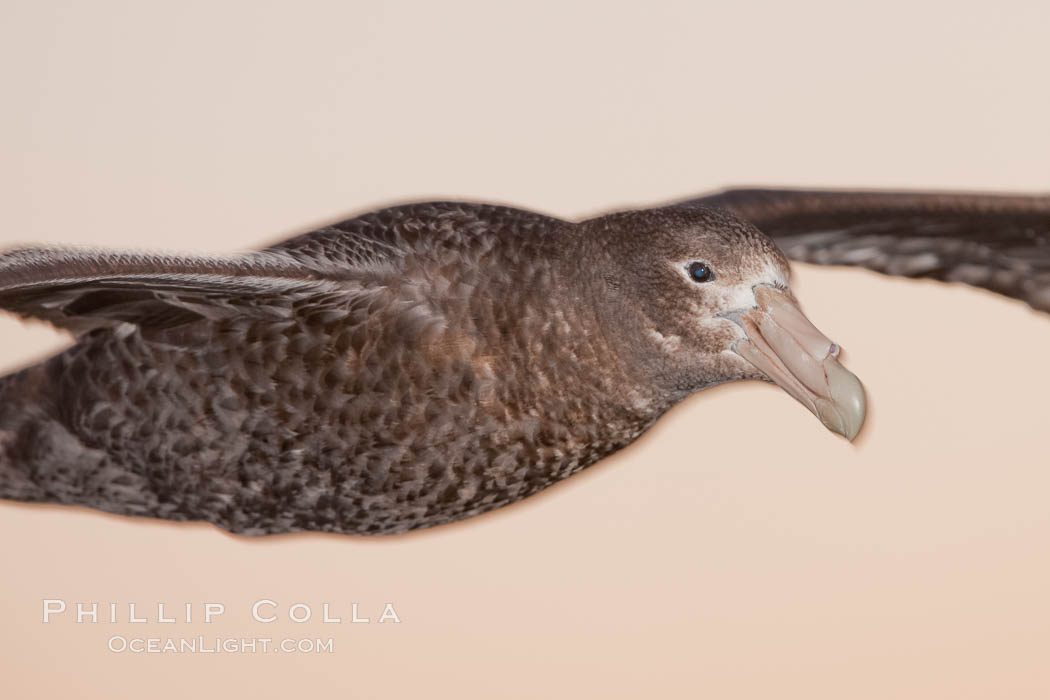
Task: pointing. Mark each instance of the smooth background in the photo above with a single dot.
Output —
(738, 550)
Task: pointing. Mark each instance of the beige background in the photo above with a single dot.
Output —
(738, 550)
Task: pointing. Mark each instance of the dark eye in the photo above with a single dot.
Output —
(699, 272)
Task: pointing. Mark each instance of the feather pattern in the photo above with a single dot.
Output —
(428, 362)
(82, 289)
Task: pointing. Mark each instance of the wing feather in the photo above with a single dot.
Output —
(81, 290)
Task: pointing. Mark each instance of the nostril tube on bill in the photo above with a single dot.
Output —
(792, 352)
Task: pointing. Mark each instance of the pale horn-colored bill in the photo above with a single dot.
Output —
(788, 349)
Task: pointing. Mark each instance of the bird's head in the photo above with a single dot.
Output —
(700, 297)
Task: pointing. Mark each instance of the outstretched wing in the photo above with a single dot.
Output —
(1000, 242)
(80, 290)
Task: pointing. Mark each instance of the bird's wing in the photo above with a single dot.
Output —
(999, 242)
(80, 290)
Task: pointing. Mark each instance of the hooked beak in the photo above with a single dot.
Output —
(787, 348)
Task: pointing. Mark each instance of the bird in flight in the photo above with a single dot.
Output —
(429, 362)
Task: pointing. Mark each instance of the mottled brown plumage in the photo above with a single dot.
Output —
(409, 367)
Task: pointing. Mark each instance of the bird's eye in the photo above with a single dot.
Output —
(699, 272)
